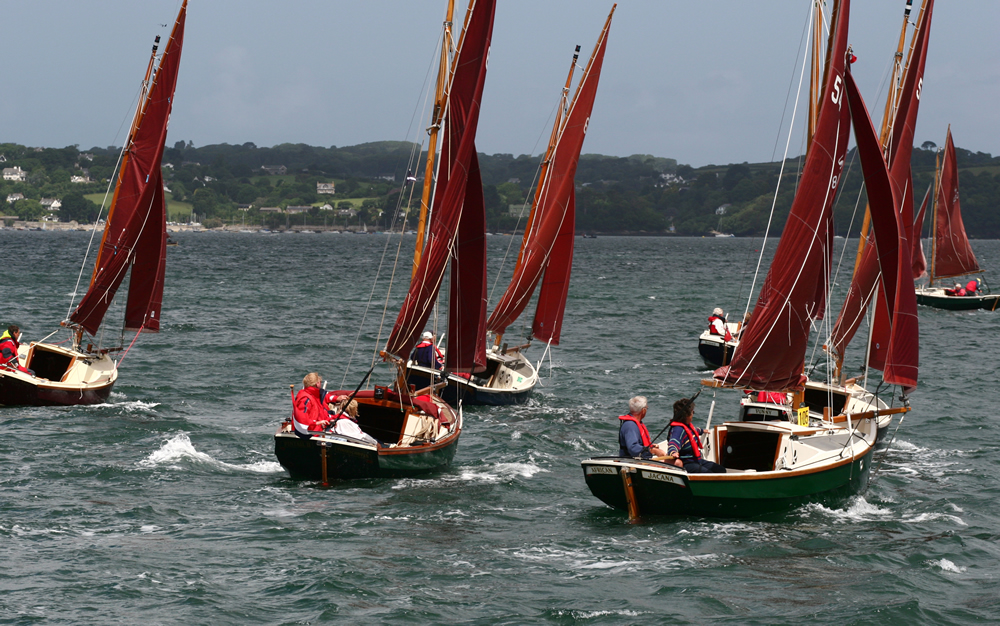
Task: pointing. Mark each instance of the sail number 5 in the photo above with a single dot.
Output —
(836, 94)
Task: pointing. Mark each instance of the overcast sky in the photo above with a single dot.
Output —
(702, 82)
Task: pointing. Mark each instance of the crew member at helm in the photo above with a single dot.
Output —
(9, 343)
(426, 354)
(717, 324)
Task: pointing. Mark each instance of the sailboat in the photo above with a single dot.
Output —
(546, 249)
(133, 243)
(415, 430)
(951, 253)
(778, 455)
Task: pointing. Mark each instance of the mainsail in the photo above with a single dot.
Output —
(135, 234)
(771, 353)
(953, 254)
(548, 246)
(458, 214)
(917, 251)
(893, 305)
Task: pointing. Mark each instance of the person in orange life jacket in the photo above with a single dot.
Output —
(717, 324)
(426, 354)
(685, 441)
(633, 436)
(959, 290)
(344, 419)
(9, 343)
(310, 415)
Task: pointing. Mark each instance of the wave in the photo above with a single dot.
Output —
(498, 472)
(178, 450)
(948, 566)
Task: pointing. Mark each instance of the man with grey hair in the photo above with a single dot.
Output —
(633, 436)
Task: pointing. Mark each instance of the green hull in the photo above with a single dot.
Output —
(665, 490)
(959, 303)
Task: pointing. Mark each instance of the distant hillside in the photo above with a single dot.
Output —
(640, 193)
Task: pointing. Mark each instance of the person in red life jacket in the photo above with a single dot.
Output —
(685, 441)
(426, 354)
(958, 290)
(633, 436)
(9, 343)
(973, 287)
(717, 324)
(344, 419)
(310, 415)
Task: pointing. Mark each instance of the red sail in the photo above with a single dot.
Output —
(905, 123)
(865, 278)
(555, 285)
(953, 255)
(771, 353)
(894, 343)
(450, 195)
(889, 234)
(135, 234)
(556, 206)
(467, 306)
(145, 287)
(917, 257)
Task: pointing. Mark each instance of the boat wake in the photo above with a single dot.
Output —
(859, 510)
(179, 453)
(497, 473)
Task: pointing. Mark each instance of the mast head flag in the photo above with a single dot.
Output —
(771, 353)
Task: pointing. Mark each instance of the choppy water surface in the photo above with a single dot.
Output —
(167, 505)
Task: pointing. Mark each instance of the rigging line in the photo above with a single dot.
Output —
(131, 253)
(527, 200)
(777, 188)
(798, 276)
(371, 295)
(93, 232)
(791, 81)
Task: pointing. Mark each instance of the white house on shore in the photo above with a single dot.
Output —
(14, 173)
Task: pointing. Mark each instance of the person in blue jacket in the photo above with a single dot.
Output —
(633, 436)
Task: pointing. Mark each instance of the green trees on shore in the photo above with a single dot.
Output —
(227, 184)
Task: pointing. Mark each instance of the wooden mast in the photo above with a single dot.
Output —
(891, 106)
(885, 133)
(442, 90)
(140, 110)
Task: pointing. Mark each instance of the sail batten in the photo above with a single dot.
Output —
(135, 235)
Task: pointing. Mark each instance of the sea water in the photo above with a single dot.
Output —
(166, 505)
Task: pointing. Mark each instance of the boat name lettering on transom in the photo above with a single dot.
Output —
(666, 478)
(600, 469)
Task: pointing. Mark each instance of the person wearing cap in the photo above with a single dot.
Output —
(958, 290)
(717, 324)
(426, 354)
